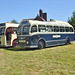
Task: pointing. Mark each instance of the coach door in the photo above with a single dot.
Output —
(8, 36)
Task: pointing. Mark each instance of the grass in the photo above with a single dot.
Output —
(58, 60)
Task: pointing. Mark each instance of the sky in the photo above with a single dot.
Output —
(27, 9)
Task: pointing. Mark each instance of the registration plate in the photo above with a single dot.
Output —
(22, 41)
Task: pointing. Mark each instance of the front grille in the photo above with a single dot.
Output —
(22, 40)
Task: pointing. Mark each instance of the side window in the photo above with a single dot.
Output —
(20, 28)
(41, 28)
(67, 29)
(33, 29)
(71, 29)
(61, 29)
(56, 29)
(49, 28)
(3, 30)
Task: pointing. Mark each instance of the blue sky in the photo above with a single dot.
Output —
(25, 9)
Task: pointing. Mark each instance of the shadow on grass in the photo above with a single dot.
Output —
(19, 48)
(26, 49)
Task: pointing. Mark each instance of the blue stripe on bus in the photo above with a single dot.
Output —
(52, 41)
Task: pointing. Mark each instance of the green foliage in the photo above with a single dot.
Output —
(14, 21)
(72, 20)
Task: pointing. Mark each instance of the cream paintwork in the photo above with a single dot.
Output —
(5, 40)
(2, 40)
(13, 36)
(53, 23)
(8, 24)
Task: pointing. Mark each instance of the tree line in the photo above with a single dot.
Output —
(72, 20)
(14, 21)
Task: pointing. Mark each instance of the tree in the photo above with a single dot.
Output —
(72, 20)
(14, 21)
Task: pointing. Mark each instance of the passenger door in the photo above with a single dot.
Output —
(8, 36)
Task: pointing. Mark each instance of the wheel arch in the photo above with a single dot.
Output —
(13, 41)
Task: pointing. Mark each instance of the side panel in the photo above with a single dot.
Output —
(51, 39)
(2, 40)
(13, 36)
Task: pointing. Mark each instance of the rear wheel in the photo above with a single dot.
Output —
(41, 44)
(67, 41)
(14, 43)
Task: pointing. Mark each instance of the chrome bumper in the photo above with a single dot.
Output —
(34, 46)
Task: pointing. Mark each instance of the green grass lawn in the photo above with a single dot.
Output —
(58, 60)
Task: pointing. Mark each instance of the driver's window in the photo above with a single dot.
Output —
(33, 29)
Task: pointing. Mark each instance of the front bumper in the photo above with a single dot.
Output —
(31, 46)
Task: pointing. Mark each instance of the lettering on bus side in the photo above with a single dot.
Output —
(56, 36)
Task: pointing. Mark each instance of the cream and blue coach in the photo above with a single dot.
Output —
(40, 34)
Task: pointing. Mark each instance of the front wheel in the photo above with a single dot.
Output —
(40, 44)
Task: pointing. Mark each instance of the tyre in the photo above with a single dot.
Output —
(14, 43)
(67, 41)
(40, 44)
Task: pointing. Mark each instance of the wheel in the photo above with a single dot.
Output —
(67, 41)
(14, 43)
(40, 44)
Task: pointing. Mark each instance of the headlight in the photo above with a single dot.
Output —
(27, 42)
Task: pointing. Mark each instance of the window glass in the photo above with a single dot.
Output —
(2, 24)
(61, 29)
(24, 22)
(33, 28)
(67, 29)
(49, 28)
(71, 29)
(41, 28)
(23, 30)
(20, 29)
(56, 29)
(26, 29)
(2, 31)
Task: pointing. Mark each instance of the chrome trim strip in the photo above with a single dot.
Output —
(56, 40)
(55, 45)
(31, 46)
